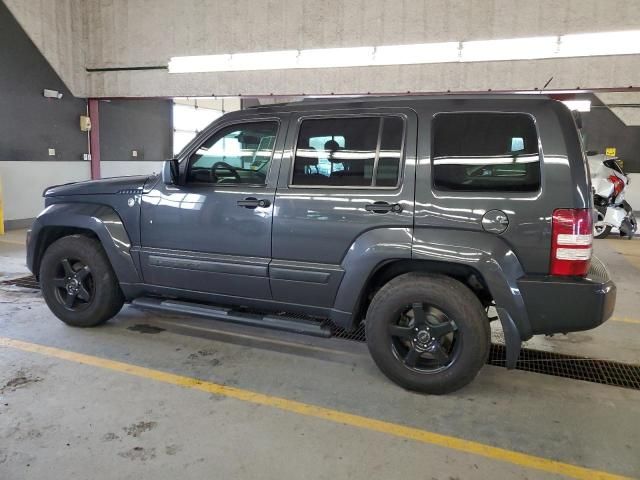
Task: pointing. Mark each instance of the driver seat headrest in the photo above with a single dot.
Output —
(331, 146)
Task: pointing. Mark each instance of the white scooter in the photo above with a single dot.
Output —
(611, 210)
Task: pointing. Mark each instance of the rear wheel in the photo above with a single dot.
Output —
(78, 282)
(600, 229)
(428, 333)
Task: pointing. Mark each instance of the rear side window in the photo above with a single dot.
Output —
(482, 151)
(349, 152)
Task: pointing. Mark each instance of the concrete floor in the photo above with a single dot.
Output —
(64, 418)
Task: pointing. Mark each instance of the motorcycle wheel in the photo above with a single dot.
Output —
(601, 229)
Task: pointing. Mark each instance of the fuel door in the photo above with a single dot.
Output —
(495, 221)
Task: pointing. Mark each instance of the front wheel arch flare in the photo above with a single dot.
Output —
(101, 221)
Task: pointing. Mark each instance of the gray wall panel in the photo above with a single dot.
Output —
(142, 125)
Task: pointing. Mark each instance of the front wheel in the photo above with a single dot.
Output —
(428, 333)
(78, 283)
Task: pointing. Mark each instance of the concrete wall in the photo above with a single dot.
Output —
(140, 33)
(31, 124)
(194, 27)
(624, 104)
(60, 31)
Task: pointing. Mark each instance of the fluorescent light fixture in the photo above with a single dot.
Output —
(199, 63)
(335, 57)
(264, 60)
(602, 43)
(510, 49)
(572, 45)
(417, 53)
(579, 105)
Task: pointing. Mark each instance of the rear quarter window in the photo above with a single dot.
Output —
(485, 151)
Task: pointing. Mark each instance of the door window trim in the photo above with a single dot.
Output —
(325, 116)
(186, 158)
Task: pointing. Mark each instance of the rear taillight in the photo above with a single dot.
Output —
(571, 239)
(618, 184)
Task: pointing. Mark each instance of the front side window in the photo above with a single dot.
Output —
(482, 151)
(349, 152)
(238, 154)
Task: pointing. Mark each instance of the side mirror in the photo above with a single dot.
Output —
(170, 172)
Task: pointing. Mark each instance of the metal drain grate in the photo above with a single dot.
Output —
(537, 361)
(356, 335)
(570, 366)
(548, 363)
(24, 282)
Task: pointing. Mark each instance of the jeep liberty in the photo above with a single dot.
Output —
(414, 214)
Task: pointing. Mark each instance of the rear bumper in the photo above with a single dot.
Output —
(561, 305)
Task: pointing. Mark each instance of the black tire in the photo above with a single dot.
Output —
(447, 305)
(604, 233)
(78, 283)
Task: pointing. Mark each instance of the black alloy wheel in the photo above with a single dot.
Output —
(427, 332)
(78, 282)
(75, 287)
(424, 338)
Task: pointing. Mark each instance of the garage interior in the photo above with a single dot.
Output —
(158, 395)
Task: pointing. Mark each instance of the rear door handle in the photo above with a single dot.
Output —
(383, 207)
(251, 202)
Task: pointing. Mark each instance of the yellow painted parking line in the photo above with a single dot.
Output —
(336, 416)
(625, 320)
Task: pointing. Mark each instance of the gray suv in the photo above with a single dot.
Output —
(415, 215)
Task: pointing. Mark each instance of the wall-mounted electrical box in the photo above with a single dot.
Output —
(85, 123)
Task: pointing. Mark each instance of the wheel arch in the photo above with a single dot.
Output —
(483, 262)
(98, 221)
(51, 233)
(387, 270)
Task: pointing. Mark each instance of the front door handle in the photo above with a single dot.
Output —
(251, 202)
(383, 207)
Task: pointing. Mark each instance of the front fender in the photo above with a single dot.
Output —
(491, 256)
(99, 219)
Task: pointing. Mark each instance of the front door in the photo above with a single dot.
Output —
(212, 232)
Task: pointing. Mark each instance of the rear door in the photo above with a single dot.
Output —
(342, 175)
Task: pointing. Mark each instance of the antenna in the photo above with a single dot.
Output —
(546, 84)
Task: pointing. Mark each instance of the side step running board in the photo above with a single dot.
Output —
(276, 322)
